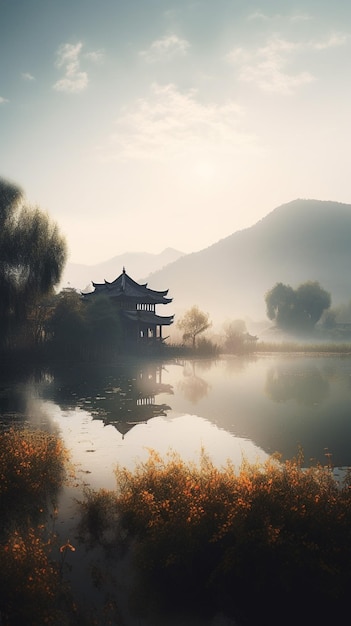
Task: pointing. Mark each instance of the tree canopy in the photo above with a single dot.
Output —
(193, 323)
(297, 309)
(32, 256)
(79, 328)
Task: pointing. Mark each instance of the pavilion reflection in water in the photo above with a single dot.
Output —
(123, 395)
(130, 398)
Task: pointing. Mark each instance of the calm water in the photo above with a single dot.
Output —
(233, 408)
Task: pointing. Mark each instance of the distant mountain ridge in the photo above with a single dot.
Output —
(298, 241)
(80, 276)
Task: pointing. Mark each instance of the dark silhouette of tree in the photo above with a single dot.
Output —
(32, 257)
(312, 301)
(280, 302)
(193, 323)
(297, 309)
(10, 197)
(82, 330)
(66, 327)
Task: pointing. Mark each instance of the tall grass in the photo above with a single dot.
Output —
(269, 544)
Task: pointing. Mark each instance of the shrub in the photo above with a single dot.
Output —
(32, 469)
(206, 347)
(29, 582)
(243, 542)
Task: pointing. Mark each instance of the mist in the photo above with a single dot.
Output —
(304, 240)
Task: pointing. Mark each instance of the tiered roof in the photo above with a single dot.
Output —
(125, 287)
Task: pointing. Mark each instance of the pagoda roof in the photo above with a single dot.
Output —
(124, 286)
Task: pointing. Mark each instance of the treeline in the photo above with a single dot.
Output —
(35, 320)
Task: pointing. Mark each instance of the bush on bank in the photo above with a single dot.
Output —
(265, 544)
(245, 542)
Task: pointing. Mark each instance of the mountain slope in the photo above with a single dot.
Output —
(80, 276)
(299, 241)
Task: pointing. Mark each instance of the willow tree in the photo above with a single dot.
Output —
(32, 256)
(297, 309)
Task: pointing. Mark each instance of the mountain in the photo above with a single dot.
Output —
(80, 276)
(298, 241)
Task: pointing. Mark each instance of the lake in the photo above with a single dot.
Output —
(233, 408)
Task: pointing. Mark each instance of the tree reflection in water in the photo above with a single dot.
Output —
(307, 388)
(192, 386)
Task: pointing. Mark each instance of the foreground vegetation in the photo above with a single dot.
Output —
(32, 470)
(269, 544)
(266, 544)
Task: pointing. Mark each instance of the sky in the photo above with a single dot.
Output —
(148, 124)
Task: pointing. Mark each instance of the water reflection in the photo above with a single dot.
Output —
(122, 396)
(278, 402)
(12, 400)
(270, 403)
(307, 388)
(234, 407)
(193, 386)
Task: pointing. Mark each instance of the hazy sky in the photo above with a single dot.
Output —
(143, 124)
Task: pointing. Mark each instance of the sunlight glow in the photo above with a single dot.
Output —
(205, 170)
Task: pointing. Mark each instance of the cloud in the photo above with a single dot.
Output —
(298, 17)
(3, 100)
(96, 56)
(68, 58)
(266, 66)
(258, 15)
(167, 47)
(174, 125)
(333, 41)
(27, 76)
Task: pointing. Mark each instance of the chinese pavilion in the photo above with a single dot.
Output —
(136, 305)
